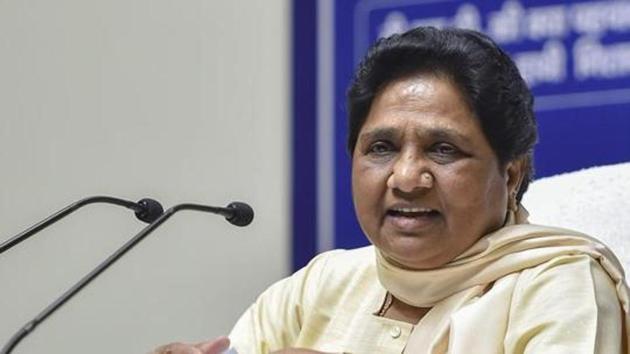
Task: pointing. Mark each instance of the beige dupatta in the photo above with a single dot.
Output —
(511, 249)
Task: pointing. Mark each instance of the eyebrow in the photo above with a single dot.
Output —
(378, 134)
(445, 134)
(389, 133)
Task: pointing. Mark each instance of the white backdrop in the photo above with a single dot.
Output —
(182, 101)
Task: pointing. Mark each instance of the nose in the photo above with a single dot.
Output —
(410, 173)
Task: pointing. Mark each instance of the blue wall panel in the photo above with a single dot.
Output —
(575, 56)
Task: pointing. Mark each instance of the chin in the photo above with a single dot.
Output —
(421, 265)
(415, 257)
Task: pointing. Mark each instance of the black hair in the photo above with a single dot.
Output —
(488, 79)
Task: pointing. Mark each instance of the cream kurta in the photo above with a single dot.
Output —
(565, 305)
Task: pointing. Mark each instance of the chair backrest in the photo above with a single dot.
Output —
(595, 201)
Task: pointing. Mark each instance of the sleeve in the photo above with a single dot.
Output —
(274, 321)
(567, 305)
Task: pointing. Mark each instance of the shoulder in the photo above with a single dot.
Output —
(341, 267)
(569, 277)
(579, 272)
(341, 260)
(328, 270)
(276, 318)
(567, 303)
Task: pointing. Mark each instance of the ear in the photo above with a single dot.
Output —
(515, 172)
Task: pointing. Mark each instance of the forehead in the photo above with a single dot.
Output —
(425, 101)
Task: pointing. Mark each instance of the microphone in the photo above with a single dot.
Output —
(147, 210)
(236, 213)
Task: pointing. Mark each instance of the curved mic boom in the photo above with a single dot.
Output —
(237, 213)
(147, 210)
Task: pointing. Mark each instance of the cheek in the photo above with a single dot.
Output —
(369, 184)
(474, 190)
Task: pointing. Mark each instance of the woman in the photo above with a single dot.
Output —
(441, 135)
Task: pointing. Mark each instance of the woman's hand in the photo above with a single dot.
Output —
(216, 346)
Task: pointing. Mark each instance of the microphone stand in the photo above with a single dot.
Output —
(146, 210)
(237, 213)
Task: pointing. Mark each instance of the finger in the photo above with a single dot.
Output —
(177, 348)
(215, 346)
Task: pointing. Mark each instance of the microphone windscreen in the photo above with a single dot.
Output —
(242, 215)
(151, 210)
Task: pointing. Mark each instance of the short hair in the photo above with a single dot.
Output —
(486, 76)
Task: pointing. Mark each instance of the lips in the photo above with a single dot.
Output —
(411, 219)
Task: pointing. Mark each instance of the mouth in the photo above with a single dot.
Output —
(411, 219)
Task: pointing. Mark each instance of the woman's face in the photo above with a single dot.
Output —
(426, 183)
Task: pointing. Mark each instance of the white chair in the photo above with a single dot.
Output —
(595, 201)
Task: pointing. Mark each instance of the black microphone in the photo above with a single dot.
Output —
(237, 213)
(147, 210)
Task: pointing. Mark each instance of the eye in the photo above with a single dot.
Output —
(445, 152)
(380, 148)
(445, 149)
